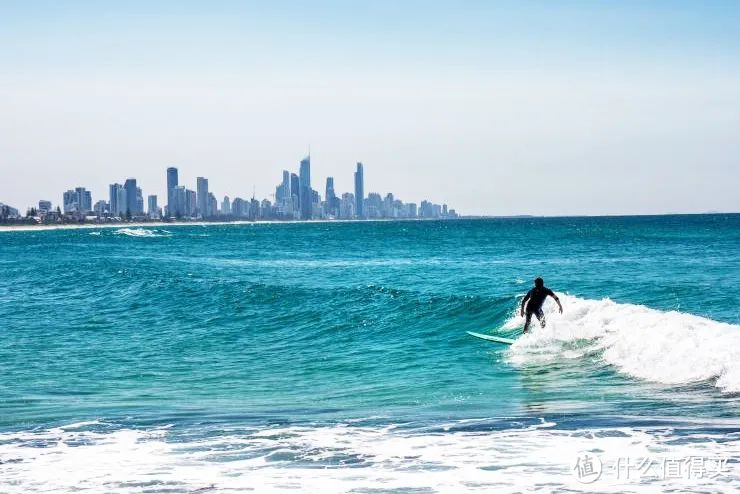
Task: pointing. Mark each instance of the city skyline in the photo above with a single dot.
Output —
(295, 198)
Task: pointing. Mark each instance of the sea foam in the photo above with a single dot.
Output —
(142, 232)
(668, 347)
(345, 458)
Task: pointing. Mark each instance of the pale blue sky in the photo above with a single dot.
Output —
(519, 107)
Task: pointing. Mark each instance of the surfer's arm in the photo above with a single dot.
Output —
(524, 303)
(560, 306)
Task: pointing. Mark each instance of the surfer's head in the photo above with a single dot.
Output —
(539, 282)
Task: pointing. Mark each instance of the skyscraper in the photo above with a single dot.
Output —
(202, 198)
(284, 195)
(226, 206)
(212, 205)
(139, 201)
(131, 196)
(295, 191)
(332, 201)
(69, 201)
(305, 197)
(171, 184)
(179, 200)
(359, 191)
(152, 208)
(115, 194)
(329, 188)
(190, 208)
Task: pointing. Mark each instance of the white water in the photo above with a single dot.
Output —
(344, 458)
(667, 347)
(141, 232)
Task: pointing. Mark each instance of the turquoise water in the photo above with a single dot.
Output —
(276, 356)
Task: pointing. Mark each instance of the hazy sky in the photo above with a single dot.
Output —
(508, 107)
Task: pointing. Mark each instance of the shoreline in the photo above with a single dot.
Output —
(145, 224)
(159, 224)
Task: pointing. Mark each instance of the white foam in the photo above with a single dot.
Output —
(344, 458)
(141, 232)
(667, 347)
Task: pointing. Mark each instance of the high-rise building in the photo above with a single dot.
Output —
(171, 185)
(226, 206)
(332, 201)
(139, 201)
(202, 197)
(84, 200)
(286, 184)
(347, 206)
(44, 206)
(131, 196)
(69, 201)
(212, 205)
(190, 206)
(283, 197)
(306, 197)
(122, 201)
(282, 191)
(78, 201)
(360, 191)
(373, 206)
(265, 209)
(427, 209)
(254, 209)
(152, 209)
(101, 208)
(179, 199)
(113, 195)
(295, 191)
(239, 208)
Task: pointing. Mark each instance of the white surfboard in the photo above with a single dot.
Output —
(495, 339)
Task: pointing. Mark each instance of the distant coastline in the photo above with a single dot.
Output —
(24, 227)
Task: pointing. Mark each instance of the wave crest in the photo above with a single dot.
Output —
(141, 232)
(668, 347)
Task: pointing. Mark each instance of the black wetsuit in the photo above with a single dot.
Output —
(536, 297)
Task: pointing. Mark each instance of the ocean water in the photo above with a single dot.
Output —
(333, 357)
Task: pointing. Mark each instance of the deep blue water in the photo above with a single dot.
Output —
(234, 330)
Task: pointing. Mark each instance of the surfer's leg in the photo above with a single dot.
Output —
(527, 321)
(541, 317)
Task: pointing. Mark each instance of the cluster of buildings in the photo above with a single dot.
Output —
(294, 199)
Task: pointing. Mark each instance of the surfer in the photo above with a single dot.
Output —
(536, 297)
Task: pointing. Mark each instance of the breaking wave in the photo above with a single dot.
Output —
(142, 232)
(668, 347)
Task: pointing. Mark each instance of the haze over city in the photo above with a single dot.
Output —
(498, 108)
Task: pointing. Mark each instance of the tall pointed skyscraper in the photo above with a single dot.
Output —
(305, 195)
(360, 191)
